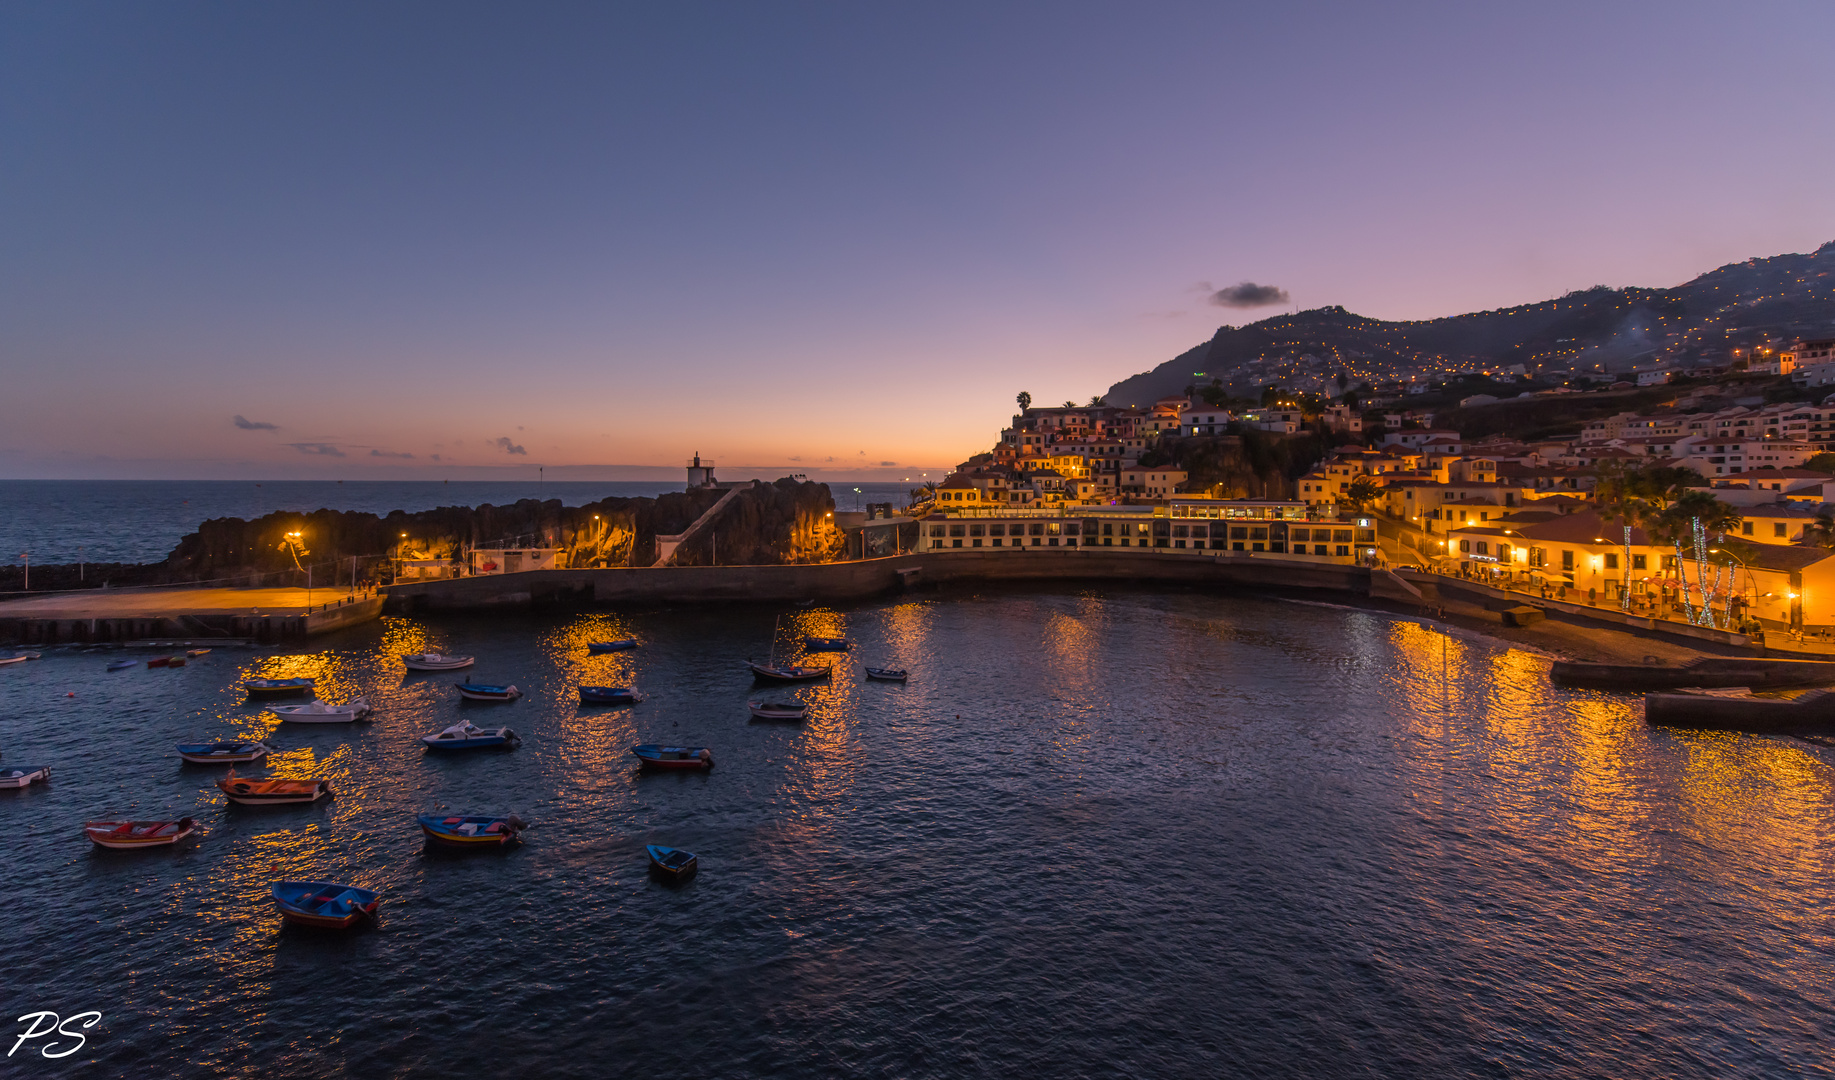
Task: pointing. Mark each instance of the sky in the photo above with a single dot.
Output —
(453, 240)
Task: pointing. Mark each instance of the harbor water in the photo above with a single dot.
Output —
(1099, 833)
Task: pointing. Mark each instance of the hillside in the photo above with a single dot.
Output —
(1755, 302)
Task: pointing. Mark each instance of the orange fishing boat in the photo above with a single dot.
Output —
(274, 792)
(122, 835)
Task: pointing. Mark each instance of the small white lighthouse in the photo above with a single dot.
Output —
(700, 473)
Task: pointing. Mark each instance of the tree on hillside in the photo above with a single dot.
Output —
(1824, 462)
(1361, 492)
(1096, 402)
(1025, 401)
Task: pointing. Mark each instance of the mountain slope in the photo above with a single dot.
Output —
(1739, 305)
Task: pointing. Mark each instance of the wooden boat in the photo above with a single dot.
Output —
(770, 710)
(273, 792)
(324, 904)
(672, 863)
(464, 736)
(610, 695)
(488, 691)
(827, 644)
(18, 776)
(772, 673)
(674, 757)
(433, 661)
(127, 835)
(195, 653)
(122, 665)
(4, 660)
(471, 831)
(611, 646)
(273, 688)
(165, 661)
(323, 712)
(886, 674)
(219, 753)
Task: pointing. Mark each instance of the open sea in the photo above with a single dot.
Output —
(141, 521)
(1100, 833)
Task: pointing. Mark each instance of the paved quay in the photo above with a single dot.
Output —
(157, 603)
(112, 615)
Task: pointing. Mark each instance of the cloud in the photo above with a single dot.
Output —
(1249, 294)
(321, 448)
(389, 453)
(508, 447)
(435, 457)
(829, 458)
(246, 424)
(798, 457)
(888, 464)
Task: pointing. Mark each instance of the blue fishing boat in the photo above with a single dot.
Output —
(464, 736)
(324, 904)
(610, 695)
(672, 863)
(219, 753)
(122, 665)
(268, 688)
(611, 646)
(471, 830)
(488, 691)
(674, 757)
(827, 644)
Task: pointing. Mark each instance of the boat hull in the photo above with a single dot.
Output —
(107, 834)
(817, 644)
(885, 675)
(606, 695)
(483, 742)
(251, 793)
(610, 646)
(19, 776)
(789, 675)
(433, 827)
(299, 902)
(664, 864)
(673, 757)
(450, 663)
(488, 693)
(294, 690)
(227, 757)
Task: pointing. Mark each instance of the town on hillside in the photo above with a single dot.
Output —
(1708, 500)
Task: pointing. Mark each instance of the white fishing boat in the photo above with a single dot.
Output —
(432, 661)
(323, 712)
(18, 776)
(465, 736)
(777, 710)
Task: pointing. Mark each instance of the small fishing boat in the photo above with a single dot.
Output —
(672, 863)
(219, 753)
(488, 691)
(166, 661)
(611, 646)
(886, 674)
(323, 712)
(273, 688)
(465, 736)
(324, 904)
(4, 660)
(125, 835)
(122, 665)
(273, 792)
(793, 673)
(827, 644)
(195, 653)
(774, 710)
(674, 757)
(471, 831)
(432, 661)
(610, 695)
(18, 776)
(14, 658)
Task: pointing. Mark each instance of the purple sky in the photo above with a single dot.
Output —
(813, 236)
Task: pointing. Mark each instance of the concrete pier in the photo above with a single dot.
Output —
(120, 615)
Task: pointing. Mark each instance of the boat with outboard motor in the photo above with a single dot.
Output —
(18, 776)
(488, 691)
(274, 792)
(610, 695)
(436, 662)
(324, 904)
(122, 665)
(672, 863)
(794, 673)
(883, 674)
(466, 736)
(222, 753)
(323, 712)
(777, 710)
(471, 830)
(272, 688)
(611, 646)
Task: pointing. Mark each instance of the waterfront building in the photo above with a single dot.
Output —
(516, 560)
(1250, 527)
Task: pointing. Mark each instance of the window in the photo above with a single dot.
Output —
(955, 530)
(1319, 549)
(1567, 560)
(1611, 560)
(1484, 548)
(1344, 549)
(1300, 534)
(1464, 545)
(1037, 530)
(976, 530)
(997, 530)
(1637, 562)
(1746, 527)
(936, 530)
(1778, 528)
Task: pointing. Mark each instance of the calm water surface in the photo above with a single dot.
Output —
(1115, 834)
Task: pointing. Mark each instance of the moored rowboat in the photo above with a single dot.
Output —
(219, 753)
(270, 688)
(674, 757)
(672, 863)
(274, 792)
(435, 662)
(323, 712)
(882, 674)
(609, 695)
(324, 904)
(777, 710)
(488, 691)
(122, 665)
(773, 673)
(827, 644)
(471, 831)
(126, 835)
(611, 646)
(464, 736)
(18, 776)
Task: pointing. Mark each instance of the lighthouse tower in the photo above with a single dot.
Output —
(700, 473)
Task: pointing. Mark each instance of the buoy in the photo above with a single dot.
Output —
(71, 694)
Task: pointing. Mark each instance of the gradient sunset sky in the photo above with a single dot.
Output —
(439, 240)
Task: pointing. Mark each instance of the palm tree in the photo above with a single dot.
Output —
(1025, 401)
(1097, 402)
(1822, 532)
(1628, 495)
(1697, 517)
